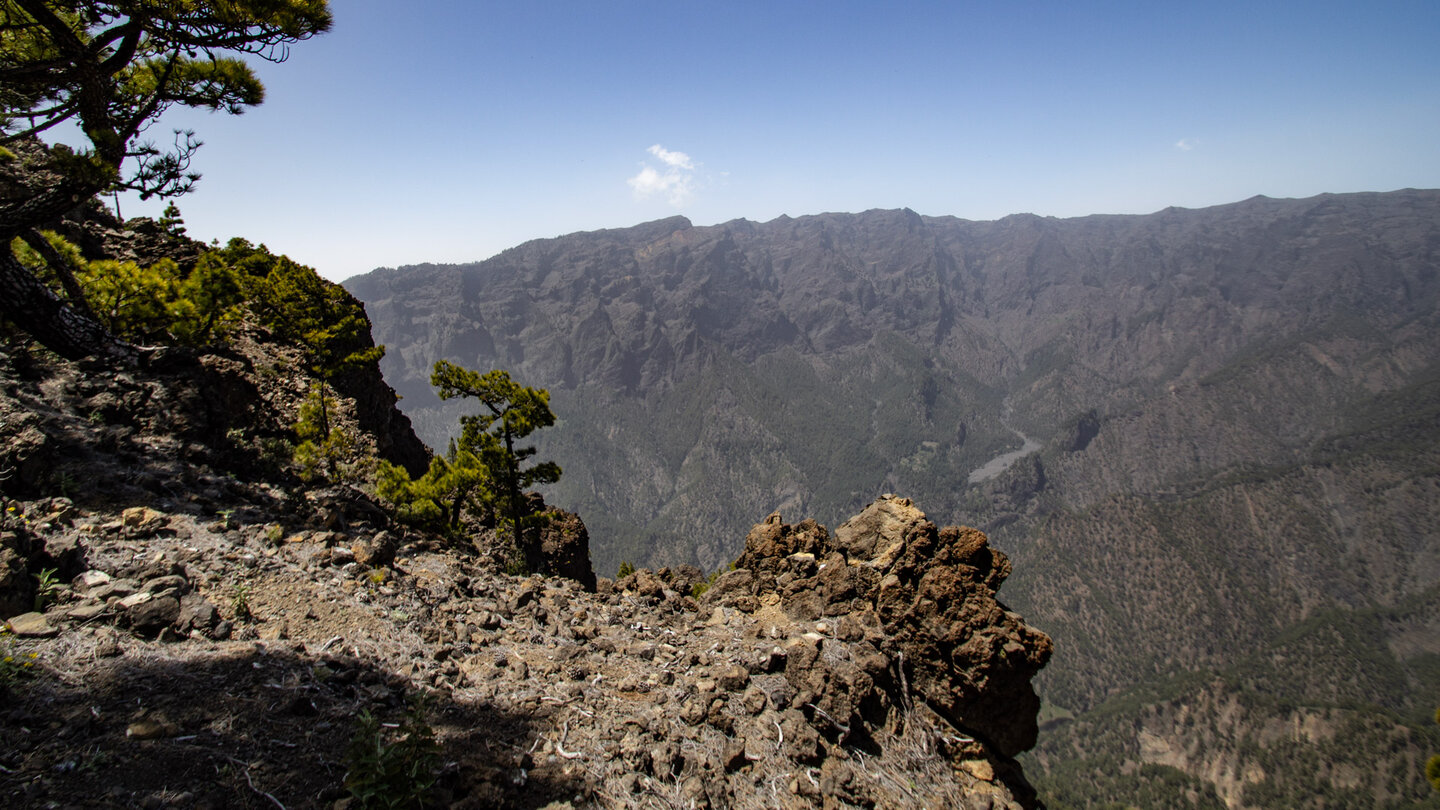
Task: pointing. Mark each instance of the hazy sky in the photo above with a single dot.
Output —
(448, 130)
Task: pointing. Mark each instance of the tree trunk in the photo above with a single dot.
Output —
(35, 308)
(528, 547)
(62, 269)
(459, 503)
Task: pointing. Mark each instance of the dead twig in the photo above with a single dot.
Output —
(245, 767)
(560, 745)
(251, 783)
(836, 723)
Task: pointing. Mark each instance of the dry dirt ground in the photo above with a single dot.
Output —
(538, 692)
(110, 717)
(215, 634)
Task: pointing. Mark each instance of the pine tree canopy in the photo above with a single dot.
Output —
(112, 68)
(511, 412)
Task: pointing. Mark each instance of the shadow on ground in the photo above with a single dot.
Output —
(239, 725)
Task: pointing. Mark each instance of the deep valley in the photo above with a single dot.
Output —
(1231, 526)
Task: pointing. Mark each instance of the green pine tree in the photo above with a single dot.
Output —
(510, 413)
(111, 70)
(438, 498)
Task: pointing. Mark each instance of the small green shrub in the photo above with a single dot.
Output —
(454, 482)
(47, 587)
(275, 453)
(328, 449)
(227, 518)
(240, 602)
(515, 565)
(392, 765)
(626, 569)
(66, 483)
(701, 587)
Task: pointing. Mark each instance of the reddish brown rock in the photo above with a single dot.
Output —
(915, 600)
(376, 551)
(675, 582)
(565, 545)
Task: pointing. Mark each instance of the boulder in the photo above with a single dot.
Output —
(143, 519)
(376, 551)
(150, 616)
(93, 578)
(918, 605)
(565, 546)
(197, 614)
(665, 584)
(27, 453)
(643, 582)
(31, 625)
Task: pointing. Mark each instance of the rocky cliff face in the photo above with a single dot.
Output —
(814, 362)
(1234, 407)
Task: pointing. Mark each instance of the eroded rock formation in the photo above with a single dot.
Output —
(912, 608)
(565, 546)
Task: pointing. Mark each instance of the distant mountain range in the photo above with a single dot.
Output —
(1223, 491)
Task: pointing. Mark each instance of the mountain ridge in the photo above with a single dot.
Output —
(1234, 402)
(589, 334)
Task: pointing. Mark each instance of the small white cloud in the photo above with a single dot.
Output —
(1186, 144)
(647, 182)
(679, 160)
(675, 181)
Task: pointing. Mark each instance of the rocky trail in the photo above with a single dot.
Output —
(196, 664)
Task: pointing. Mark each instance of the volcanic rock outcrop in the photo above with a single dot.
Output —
(565, 547)
(915, 604)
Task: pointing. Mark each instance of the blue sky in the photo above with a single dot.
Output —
(440, 131)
